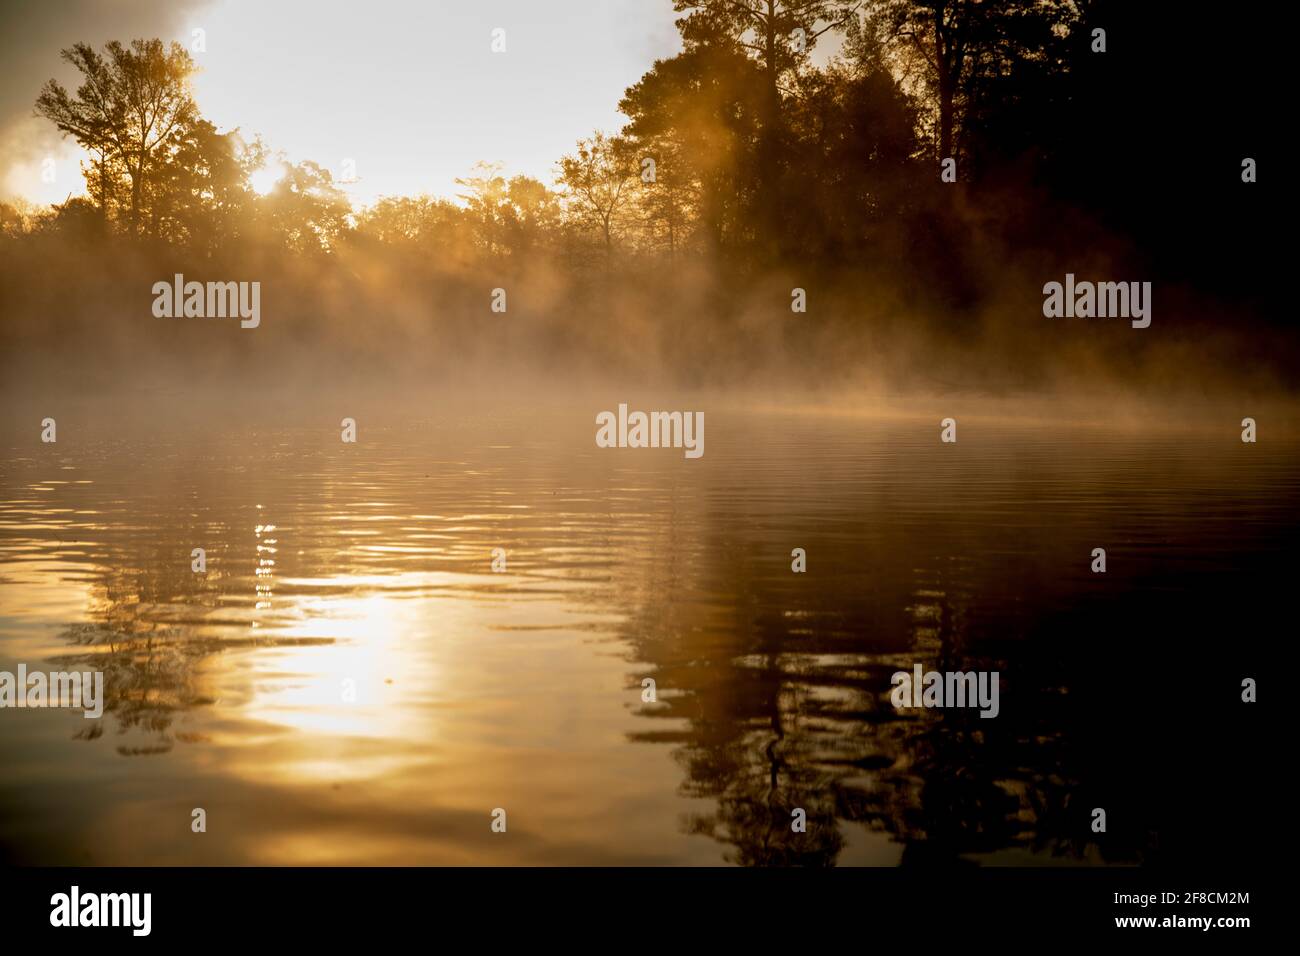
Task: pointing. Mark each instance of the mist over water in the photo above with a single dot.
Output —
(371, 562)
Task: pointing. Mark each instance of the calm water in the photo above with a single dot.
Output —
(522, 690)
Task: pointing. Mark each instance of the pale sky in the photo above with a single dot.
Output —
(411, 91)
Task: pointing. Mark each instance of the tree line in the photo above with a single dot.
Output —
(786, 135)
(738, 146)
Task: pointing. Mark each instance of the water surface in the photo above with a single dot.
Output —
(369, 566)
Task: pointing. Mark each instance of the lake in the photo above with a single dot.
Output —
(351, 682)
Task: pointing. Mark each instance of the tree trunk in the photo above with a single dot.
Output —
(103, 186)
(135, 196)
(943, 60)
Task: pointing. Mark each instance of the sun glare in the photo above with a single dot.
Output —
(264, 179)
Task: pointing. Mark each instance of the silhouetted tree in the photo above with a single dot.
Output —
(597, 181)
(956, 52)
(128, 113)
(778, 35)
(697, 114)
(306, 210)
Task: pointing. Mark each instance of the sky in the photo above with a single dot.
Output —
(410, 92)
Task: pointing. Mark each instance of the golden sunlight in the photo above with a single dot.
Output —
(265, 179)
